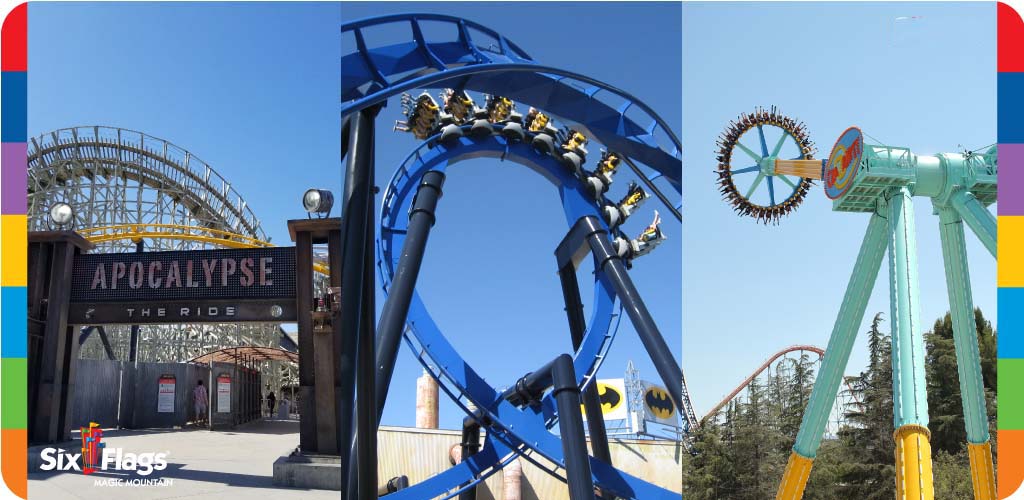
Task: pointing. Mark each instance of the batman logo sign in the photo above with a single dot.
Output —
(658, 403)
(609, 397)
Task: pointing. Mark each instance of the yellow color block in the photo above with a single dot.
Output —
(913, 463)
(1010, 244)
(14, 258)
(794, 479)
(983, 474)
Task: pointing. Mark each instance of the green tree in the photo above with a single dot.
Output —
(866, 444)
(741, 454)
(945, 405)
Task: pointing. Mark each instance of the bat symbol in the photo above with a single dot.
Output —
(658, 403)
(610, 397)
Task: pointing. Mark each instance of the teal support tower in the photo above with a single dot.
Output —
(882, 181)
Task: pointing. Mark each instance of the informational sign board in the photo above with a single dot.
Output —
(165, 394)
(658, 406)
(198, 286)
(612, 395)
(223, 394)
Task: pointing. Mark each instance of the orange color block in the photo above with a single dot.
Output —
(13, 443)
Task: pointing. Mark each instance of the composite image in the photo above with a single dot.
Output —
(538, 250)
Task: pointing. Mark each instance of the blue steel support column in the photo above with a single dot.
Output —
(366, 380)
(840, 344)
(570, 427)
(355, 230)
(577, 328)
(396, 307)
(968, 359)
(980, 220)
(910, 398)
(607, 260)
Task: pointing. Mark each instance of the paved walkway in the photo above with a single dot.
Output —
(235, 464)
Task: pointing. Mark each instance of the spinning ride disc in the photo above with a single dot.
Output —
(758, 198)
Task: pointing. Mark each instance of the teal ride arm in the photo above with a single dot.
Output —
(980, 220)
(840, 344)
(910, 397)
(965, 336)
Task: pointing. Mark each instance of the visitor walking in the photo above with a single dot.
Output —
(200, 398)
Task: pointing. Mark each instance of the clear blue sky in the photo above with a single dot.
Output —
(926, 83)
(252, 89)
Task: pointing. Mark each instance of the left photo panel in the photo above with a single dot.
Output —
(421, 250)
(169, 145)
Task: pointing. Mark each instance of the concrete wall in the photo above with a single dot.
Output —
(421, 453)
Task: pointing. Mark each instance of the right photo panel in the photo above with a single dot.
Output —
(839, 276)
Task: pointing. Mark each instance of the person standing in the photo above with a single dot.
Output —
(200, 399)
(271, 401)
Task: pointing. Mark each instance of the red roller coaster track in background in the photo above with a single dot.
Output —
(743, 385)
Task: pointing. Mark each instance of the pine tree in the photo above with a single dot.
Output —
(742, 457)
(867, 445)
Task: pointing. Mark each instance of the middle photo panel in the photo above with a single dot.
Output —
(528, 246)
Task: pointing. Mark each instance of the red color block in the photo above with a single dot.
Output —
(1010, 39)
(14, 38)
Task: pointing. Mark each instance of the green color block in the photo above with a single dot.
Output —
(14, 395)
(1011, 398)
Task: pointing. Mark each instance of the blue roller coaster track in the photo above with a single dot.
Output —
(370, 76)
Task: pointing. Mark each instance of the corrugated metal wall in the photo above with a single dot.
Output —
(122, 394)
(421, 453)
(97, 386)
(246, 391)
(145, 382)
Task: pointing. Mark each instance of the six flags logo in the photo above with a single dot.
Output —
(96, 456)
(91, 446)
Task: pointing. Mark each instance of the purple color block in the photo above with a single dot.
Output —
(14, 178)
(1011, 179)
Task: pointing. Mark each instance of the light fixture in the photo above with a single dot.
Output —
(276, 311)
(318, 201)
(61, 215)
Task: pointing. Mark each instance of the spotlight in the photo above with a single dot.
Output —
(61, 215)
(318, 201)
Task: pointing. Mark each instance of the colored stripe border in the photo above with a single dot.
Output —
(1010, 82)
(14, 241)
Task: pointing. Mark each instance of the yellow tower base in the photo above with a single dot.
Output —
(913, 463)
(983, 475)
(794, 479)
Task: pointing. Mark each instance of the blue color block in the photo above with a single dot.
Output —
(1011, 108)
(14, 322)
(1011, 322)
(14, 87)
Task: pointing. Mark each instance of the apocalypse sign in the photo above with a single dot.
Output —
(198, 286)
